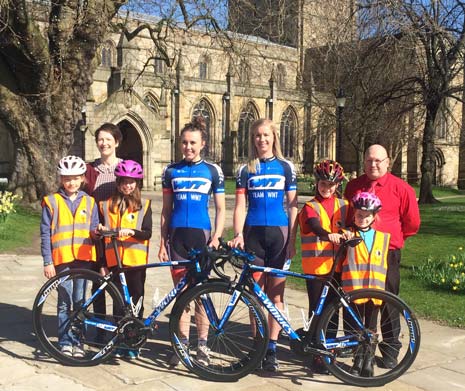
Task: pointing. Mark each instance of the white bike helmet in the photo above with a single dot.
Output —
(71, 165)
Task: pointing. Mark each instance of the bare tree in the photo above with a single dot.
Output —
(436, 28)
(399, 58)
(359, 59)
(48, 55)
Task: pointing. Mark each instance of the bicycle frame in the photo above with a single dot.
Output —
(246, 279)
(165, 301)
(134, 308)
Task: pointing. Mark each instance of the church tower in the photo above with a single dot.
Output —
(301, 24)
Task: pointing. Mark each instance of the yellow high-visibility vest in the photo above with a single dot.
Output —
(317, 255)
(133, 252)
(361, 269)
(70, 234)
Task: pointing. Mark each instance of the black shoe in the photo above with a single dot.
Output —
(389, 353)
(318, 366)
(270, 362)
(367, 369)
(358, 364)
(388, 362)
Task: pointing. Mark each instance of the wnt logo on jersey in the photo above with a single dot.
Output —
(197, 185)
(267, 182)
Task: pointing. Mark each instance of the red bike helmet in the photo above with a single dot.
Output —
(129, 169)
(367, 201)
(329, 170)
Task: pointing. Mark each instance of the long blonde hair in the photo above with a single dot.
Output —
(254, 160)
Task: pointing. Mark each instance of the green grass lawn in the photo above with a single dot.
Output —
(19, 229)
(441, 234)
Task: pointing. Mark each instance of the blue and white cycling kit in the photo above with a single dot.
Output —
(191, 184)
(266, 225)
(265, 191)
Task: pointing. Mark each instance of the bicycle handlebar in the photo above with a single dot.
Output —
(108, 233)
(238, 257)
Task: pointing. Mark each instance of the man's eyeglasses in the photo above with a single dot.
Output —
(376, 161)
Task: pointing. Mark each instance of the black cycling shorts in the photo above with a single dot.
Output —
(269, 244)
(182, 240)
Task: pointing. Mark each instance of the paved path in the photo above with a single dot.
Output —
(440, 364)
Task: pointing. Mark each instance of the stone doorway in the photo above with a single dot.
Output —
(131, 147)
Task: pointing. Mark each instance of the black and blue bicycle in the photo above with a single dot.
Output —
(349, 333)
(117, 326)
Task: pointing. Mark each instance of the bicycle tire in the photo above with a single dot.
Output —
(90, 339)
(386, 357)
(234, 351)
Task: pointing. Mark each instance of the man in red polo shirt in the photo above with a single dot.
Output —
(399, 216)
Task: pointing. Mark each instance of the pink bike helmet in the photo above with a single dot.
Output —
(329, 170)
(129, 169)
(367, 201)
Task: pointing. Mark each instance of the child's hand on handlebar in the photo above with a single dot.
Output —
(335, 238)
(126, 232)
(347, 235)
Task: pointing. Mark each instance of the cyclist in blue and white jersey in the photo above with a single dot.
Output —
(267, 228)
(185, 223)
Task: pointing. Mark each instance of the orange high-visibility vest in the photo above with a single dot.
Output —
(317, 255)
(361, 269)
(70, 235)
(133, 252)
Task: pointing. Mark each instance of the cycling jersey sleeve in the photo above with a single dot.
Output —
(166, 180)
(241, 179)
(217, 178)
(291, 176)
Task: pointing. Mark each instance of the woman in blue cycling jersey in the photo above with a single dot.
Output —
(266, 228)
(185, 223)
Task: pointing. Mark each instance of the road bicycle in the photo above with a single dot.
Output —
(100, 332)
(345, 333)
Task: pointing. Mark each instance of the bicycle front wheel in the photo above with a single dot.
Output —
(211, 348)
(72, 326)
(374, 341)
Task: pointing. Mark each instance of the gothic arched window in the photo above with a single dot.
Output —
(281, 76)
(288, 132)
(324, 137)
(248, 115)
(204, 67)
(108, 54)
(204, 109)
(159, 66)
(152, 102)
(244, 72)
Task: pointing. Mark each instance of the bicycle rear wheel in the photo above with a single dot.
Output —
(212, 351)
(64, 315)
(376, 353)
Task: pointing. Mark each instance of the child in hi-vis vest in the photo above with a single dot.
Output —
(127, 212)
(365, 266)
(321, 221)
(67, 228)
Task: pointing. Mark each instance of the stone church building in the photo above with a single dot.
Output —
(263, 75)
